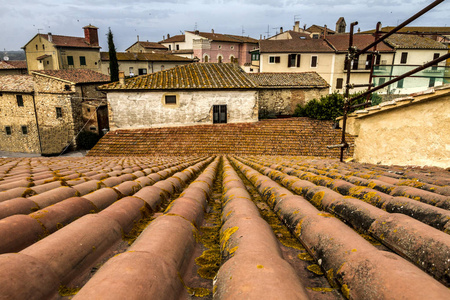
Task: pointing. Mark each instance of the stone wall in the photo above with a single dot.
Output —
(411, 134)
(15, 117)
(147, 109)
(284, 101)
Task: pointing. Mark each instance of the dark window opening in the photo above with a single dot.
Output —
(313, 61)
(170, 47)
(24, 130)
(378, 59)
(404, 58)
(67, 87)
(219, 59)
(178, 47)
(274, 59)
(432, 82)
(435, 56)
(19, 100)
(93, 128)
(88, 109)
(70, 60)
(142, 71)
(219, 114)
(58, 112)
(339, 83)
(400, 84)
(8, 130)
(82, 60)
(171, 99)
(381, 81)
(355, 63)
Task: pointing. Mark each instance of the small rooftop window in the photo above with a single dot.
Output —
(303, 38)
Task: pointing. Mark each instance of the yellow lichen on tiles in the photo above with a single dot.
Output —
(315, 269)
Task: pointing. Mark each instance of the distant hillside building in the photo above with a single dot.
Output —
(58, 52)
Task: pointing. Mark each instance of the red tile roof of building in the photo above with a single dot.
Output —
(69, 41)
(314, 28)
(149, 45)
(218, 37)
(417, 29)
(16, 83)
(190, 76)
(294, 46)
(411, 41)
(340, 42)
(131, 56)
(289, 80)
(174, 39)
(13, 64)
(75, 75)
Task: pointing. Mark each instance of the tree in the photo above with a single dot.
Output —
(113, 64)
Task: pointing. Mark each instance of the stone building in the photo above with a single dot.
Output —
(13, 67)
(186, 95)
(280, 93)
(43, 113)
(58, 52)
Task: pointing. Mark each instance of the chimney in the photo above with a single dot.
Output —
(212, 31)
(50, 37)
(325, 32)
(197, 32)
(260, 37)
(296, 26)
(122, 77)
(168, 36)
(281, 29)
(138, 37)
(91, 35)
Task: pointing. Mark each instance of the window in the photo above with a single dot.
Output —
(70, 60)
(313, 61)
(37, 47)
(435, 56)
(171, 99)
(432, 81)
(315, 36)
(274, 59)
(82, 60)
(378, 59)
(294, 60)
(232, 47)
(255, 56)
(19, 100)
(178, 47)
(93, 128)
(142, 71)
(220, 46)
(404, 58)
(369, 61)
(339, 83)
(219, 114)
(24, 129)
(58, 112)
(232, 59)
(43, 47)
(219, 58)
(8, 130)
(131, 71)
(206, 58)
(88, 109)
(400, 84)
(162, 67)
(67, 87)
(170, 47)
(355, 63)
(48, 62)
(381, 81)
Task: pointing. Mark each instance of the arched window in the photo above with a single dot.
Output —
(232, 59)
(162, 67)
(206, 58)
(219, 58)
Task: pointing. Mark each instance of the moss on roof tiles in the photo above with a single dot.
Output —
(191, 76)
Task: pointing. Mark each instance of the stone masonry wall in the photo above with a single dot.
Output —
(15, 117)
(284, 101)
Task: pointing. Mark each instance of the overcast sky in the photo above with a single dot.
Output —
(21, 19)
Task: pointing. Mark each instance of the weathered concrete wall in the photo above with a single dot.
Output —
(147, 109)
(415, 134)
(284, 101)
(15, 117)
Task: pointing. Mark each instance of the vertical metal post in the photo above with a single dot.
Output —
(372, 63)
(350, 58)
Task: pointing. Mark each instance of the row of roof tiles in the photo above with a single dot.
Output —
(308, 241)
(13, 64)
(340, 43)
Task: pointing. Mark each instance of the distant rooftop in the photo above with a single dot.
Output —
(75, 75)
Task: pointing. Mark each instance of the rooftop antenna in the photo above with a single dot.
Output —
(195, 26)
(243, 31)
(39, 29)
(268, 31)
(275, 28)
(296, 18)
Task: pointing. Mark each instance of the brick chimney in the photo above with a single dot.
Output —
(281, 29)
(91, 35)
(297, 26)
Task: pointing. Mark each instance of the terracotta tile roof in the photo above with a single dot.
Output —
(409, 41)
(218, 37)
(130, 56)
(43, 56)
(273, 227)
(183, 51)
(294, 46)
(174, 39)
(152, 45)
(417, 29)
(340, 42)
(16, 83)
(69, 41)
(190, 76)
(293, 136)
(76, 75)
(13, 64)
(291, 80)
